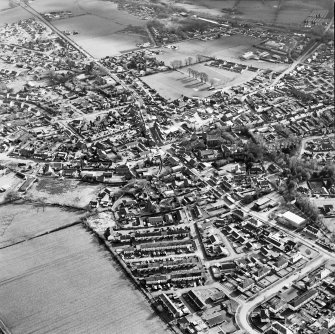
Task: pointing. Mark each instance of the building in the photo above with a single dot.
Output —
(303, 299)
(246, 285)
(169, 306)
(280, 328)
(196, 300)
(262, 203)
(292, 219)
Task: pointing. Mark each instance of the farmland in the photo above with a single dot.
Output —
(102, 28)
(65, 283)
(285, 12)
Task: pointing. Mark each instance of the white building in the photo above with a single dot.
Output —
(292, 219)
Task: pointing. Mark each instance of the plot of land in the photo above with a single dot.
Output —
(102, 29)
(228, 48)
(173, 84)
(64, 192)
(285, 12)
(103, 36)
(64, 283)
(22, 221)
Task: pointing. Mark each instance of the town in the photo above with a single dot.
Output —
(218, 205)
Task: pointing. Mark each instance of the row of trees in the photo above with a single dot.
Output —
(187, 61)
(198, 75)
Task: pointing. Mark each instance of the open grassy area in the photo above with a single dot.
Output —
(64, 192)
(65, 282)
(174, 83)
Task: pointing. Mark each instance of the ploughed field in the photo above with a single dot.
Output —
(65, 282)
(19, 222)
(102, 29)
(281, 12)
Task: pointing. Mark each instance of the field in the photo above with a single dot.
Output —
(22, 221)
(65, 282)
(174, 83)
(284, 12)
(64, 192)
(102, 29)
(229, 48)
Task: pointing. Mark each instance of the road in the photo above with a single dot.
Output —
(244, 310)
(302, 57)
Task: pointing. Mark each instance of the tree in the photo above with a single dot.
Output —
(196, 74)
(212, 82)
(204, 77)
(291, 186)
(189, 70)
(190, 60)
(12, 196)
(247, 199)
(174, 64)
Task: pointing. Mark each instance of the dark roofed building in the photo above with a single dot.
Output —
(215, 320)
(301, 300)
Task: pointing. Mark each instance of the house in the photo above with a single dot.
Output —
(280, 328)
(215, 320)
(280, 264)
(246, 285)
(276, 304)
(261, 273)
(295, 257)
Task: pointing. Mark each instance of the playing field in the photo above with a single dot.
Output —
(65, 282)
(173, 84)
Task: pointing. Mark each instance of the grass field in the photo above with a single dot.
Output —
(22, 221)
(64, 192)
(65, 282)
(174, 83)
